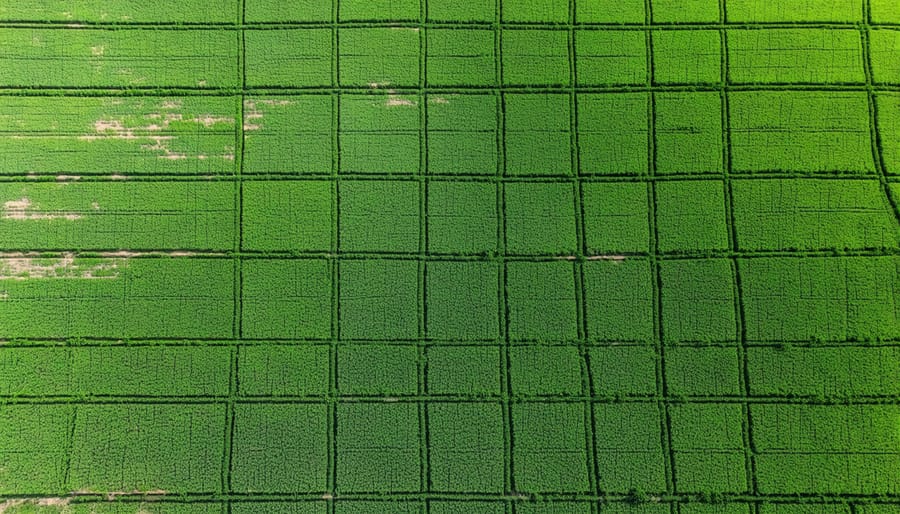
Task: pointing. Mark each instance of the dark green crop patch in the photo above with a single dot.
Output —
(535, 57)
(613, 133)
(462, 217)
(379, 216)
(379, 299)
(384, 57)
(687, 56)
(540, 218)
(380, 134)
(467, 447)
(462, 125)
(298, 307)
(537, 149)
(461, 57)
(541, 301)
(369, 369)
(610, 57)
(462, 300)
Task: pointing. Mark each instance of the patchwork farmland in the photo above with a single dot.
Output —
(450, 256)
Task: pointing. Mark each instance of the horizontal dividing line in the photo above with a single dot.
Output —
(187, 253)
(460, 25)
(824, 400)
(516, 399)
(435, 343)
(181, 498)
(78, 91)
(437, 177)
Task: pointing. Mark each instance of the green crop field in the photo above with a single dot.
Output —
(450, 257)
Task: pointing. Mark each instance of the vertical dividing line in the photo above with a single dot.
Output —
(424, 437)
(877, 151)
(662, 390)
(503, 297)
(587, 387)
(733, 247)
(237, 260)
(70, 445)
(332, 398)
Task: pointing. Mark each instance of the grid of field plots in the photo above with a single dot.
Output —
(450, 256)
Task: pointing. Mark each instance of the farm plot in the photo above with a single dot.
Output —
(450, 257)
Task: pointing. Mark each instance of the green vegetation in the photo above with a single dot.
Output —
(450, 257)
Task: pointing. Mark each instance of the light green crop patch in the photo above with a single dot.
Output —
(379, 57)
(256, 11)
(462, 300)
(538, 57)
(884, 11)
(123, 11)
(127, 456)
(792, 11)
(616, 218)
(466, 125)
(535, 11)
(115, 58)
(276, 507)
(887, 107)
(454, 10)
(378, 10)
(708, 447)
(538, 134)
(115, 371)
(109, 215)
(86, 297)
(688, 129)
(467, 449)
(284, 298)
(461, 57)
(288, 134)
(610, 57)
(619, 300)
(885, 44)
(34, 442)
(379, 216)
(629, 451)
(698, 300)
(686, 11)
(288, 57)
(800, 131)
(687, 56)
(813, 214)
(288, 215)
(462, 217)
(610, 11)
(117, 137)
(806, 56)
(613, 133)
(690, 216)
(380, 133)
(270, 440)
